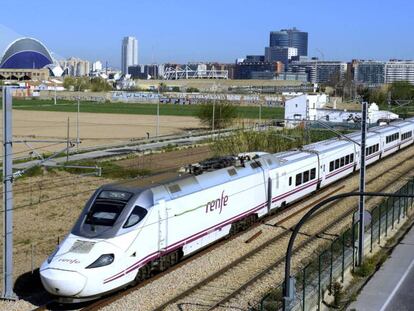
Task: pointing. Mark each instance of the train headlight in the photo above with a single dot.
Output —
(103, 260)
(50, 258)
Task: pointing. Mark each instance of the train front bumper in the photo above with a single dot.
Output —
(62, 283)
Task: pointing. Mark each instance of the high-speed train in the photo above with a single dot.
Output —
(125, 233)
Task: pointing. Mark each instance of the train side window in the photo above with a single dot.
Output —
(313, 173)
(305, 176)
(342, 161)
(331, 166)
(298, 179)
(336, 163)
(290, 181)
(352, 158)
(137, 214)
(347, 159)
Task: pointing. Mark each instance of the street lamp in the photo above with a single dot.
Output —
(158, 113)
(77, 118)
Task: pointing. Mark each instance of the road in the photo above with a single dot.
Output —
(391, 288)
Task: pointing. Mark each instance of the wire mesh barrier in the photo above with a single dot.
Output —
(325, 274)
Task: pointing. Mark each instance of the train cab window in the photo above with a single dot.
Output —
(313, 173)
(298, 179)
(137, 214)
(104, 213)
(290, 181)
(305, 176)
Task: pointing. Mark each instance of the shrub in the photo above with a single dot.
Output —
(224, 114)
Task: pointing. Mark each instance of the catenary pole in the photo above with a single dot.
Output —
(77, 126)
(7, 196)
(361, 237)
(158, 113)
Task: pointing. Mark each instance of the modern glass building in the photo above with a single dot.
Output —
(26, 53)
(370, 73)
(290, 38)
(398, 70)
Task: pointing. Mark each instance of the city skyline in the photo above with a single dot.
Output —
(336, 32)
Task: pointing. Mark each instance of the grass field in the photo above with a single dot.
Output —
(143, 109)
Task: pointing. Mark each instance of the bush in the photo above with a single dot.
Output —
(366, 269)
(224, 114)
(269, 141)
(192, 90)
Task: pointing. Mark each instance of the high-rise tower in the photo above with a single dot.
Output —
(129, 53)
(293, 38)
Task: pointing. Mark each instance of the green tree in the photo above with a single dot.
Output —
(224, 114)
(100, 85)
(192, 90)
(68, 82)
(402, 90)
(78, 83)
(162, 87)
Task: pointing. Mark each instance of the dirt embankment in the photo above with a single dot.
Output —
(94, 128)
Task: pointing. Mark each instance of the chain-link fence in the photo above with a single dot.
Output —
(326, 273)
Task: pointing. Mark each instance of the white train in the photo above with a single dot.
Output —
(125, 233)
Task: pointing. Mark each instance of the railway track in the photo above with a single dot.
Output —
(218, 279)
(219, 288)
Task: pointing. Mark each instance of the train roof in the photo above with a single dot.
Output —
(329, 145)
(411, 120)
(385, 129)
(191, 183)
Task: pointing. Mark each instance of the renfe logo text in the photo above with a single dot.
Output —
(218, 203)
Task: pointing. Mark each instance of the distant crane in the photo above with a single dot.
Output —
(320, 52)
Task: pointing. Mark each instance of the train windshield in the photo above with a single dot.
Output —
(107, 208)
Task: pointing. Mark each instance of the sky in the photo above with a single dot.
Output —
(210, 30)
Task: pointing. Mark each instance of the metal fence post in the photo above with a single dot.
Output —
(304, 289)
(386, 217)
(399, 209)
(412, 191)
(319, 282)
(393, 211)
(372, 232)
(331, 269)
(353, 242)
(406, 200)
(343, 257)
(379, 224)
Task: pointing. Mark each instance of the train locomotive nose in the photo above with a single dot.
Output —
(63, 283)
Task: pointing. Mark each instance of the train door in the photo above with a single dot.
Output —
(272, 187)
(162, 225)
